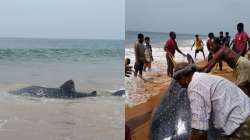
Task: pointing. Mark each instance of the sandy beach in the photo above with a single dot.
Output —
(144, 95)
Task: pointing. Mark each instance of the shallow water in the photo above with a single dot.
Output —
(49, 63)
(95, 118)
(92, 64)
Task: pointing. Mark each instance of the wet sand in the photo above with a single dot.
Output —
(94, 118)
(25, 117)
(137, 115)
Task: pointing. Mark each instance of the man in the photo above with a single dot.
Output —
(139, 55)
(128, 69)
(215, 102)
(240, 41)
(239, 64)
(170, 48)
(222, 39)
(209, 45)
(198, 45)
(227, 40)
(209, 48)
(148, 54)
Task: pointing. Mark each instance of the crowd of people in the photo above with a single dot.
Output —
(143, 49)
(215, 102)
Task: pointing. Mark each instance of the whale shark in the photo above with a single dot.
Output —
(171, 119)
(119, 93)
(66, 90)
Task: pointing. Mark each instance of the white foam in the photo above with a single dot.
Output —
(160, 55)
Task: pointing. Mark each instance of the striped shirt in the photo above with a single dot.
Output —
(219, 100)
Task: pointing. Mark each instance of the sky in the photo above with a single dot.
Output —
(88, 19)
(187, 16)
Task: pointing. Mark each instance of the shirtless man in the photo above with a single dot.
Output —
(198, 43)
(209, 48)
(209, 45)
(222, 38)
(240, 65)
(170, 48)
(139, 55)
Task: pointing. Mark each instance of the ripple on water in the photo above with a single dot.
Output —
(54, 119)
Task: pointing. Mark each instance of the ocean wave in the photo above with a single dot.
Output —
(73, 54)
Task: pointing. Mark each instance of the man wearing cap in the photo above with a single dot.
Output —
(214, 101)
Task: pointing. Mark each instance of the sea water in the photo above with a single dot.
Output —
(92, 64)
(158, 40)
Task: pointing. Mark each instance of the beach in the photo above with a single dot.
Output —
(92, 64)
(138, 90)
(144, 95)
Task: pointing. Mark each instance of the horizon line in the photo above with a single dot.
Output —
(162, 32)
(1, 37)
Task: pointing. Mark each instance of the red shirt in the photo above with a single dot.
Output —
(170, 45)
(240, 39)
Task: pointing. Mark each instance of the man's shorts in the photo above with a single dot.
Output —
(198, 50)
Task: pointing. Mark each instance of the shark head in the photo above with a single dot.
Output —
(190, 59)
(68, 86)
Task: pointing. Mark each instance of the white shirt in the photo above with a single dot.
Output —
(215, 97)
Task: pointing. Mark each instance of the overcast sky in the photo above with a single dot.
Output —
(187, 16)
(104, 19)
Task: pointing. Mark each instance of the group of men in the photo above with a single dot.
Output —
(143, 55)
(217, 103)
